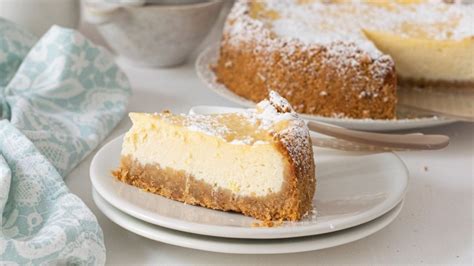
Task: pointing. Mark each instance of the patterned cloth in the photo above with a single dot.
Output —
(59, 98)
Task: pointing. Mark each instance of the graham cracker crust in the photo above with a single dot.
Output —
(311, 88)
(177, 185)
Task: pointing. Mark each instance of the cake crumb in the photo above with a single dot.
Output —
(228, 64)
(267, 223)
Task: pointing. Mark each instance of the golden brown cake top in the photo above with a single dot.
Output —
(233, 127)
(271, 117)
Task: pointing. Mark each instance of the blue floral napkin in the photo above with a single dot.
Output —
(59, 98)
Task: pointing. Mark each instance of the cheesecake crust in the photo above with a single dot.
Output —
(177, 185)
(310, 86)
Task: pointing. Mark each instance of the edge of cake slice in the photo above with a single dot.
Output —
(259, 163)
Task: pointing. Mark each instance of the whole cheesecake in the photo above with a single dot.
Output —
(342, 58)
(259, 163)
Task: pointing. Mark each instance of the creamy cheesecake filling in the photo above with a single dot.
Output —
(426, 59)
(247, 170)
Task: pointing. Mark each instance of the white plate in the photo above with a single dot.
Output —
(353, 188)
(244, 246)
(210, 55)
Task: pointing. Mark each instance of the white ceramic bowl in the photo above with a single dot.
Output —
(155, 35)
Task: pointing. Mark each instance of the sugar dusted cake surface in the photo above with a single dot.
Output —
(347, 20)
(383, 27)
(341, 58)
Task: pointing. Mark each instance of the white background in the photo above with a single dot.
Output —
(435, 225)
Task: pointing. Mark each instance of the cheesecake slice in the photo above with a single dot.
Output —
(259, 163)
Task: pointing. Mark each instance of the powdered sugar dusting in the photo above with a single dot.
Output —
(274, 110)
(435, 19)
(296, 25)
(202, 123)
(295, 137)
(264, 122)
(344, 55)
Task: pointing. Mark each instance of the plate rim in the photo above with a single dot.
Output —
(229, 231)
(224, 92)
(243, 246)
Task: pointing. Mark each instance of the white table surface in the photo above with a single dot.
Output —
(435, 225)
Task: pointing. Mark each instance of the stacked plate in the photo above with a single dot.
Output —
(357, 195)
